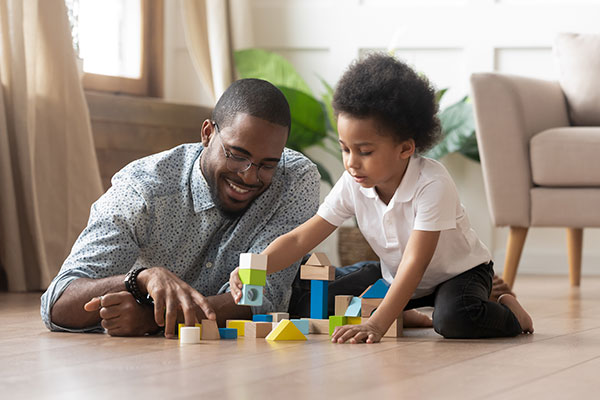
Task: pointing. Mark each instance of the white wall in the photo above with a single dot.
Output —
(448, 40)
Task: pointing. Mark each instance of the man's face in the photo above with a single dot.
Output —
(248, 137)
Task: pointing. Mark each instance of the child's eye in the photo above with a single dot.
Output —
(365, 153)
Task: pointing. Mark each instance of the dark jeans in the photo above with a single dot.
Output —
(461, 304)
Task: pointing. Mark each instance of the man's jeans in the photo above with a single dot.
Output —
(461, 304)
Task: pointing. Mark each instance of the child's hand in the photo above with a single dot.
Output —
(356, 334)
(235, 285)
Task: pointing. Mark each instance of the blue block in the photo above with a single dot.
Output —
(318, 299)
(353, 309)
(378, 290)
(228, 333)
(262, 318)
(252, 295)
(301, 324)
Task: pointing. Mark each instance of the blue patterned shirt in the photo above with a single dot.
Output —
(159, 212)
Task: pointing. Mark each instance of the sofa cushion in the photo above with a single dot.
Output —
(579, 64)
(566, 157)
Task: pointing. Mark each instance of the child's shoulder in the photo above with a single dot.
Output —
(430, 169)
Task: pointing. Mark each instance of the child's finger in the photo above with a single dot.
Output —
(349, 334)
(359, 337)
(371, 338)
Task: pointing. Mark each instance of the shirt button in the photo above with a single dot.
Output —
(208, 264)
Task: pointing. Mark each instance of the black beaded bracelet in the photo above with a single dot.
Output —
(132, 286)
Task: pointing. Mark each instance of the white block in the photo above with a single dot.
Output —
(189, 335)
(253, 261)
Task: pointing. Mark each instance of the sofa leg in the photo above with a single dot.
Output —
(514, 247)
(574, 246)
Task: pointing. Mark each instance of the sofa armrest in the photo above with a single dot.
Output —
(509, 110)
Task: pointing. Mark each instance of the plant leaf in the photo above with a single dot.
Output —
(261, 64)
(308, 119)
(458, 129)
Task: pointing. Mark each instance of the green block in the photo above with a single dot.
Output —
(336, 320)
(253, 277)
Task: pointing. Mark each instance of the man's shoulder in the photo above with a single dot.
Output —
(297, 164)
(160, 173)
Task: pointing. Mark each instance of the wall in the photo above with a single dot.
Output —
(445, 39)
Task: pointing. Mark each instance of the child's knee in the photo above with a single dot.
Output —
(458, 321)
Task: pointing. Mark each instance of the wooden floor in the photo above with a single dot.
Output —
(560, 361)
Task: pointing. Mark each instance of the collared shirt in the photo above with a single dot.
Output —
(426, 200)
(159, 212)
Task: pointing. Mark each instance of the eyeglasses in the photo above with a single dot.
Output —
(237, 164)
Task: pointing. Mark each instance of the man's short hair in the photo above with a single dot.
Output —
(255, 97)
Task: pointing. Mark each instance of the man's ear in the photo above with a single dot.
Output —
(407, 149)
(208, 128)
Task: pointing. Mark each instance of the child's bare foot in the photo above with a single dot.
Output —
(416, 319)
(522, 316)
(499, 287)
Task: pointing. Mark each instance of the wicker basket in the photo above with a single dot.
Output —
(353, 247)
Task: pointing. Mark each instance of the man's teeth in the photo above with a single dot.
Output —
(237, 188)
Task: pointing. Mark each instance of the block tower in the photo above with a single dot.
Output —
(253, 274)
(319, 271)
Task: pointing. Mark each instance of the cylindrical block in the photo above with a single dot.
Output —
(189, 335)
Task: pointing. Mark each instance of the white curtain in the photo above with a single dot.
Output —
(48, 169)
(208, 38)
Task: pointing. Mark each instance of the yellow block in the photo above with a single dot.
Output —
(286, 330)
(238, 324)
(179, 329)
(354, 320)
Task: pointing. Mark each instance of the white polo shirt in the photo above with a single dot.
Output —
(425, 200)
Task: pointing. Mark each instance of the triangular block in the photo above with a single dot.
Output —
(318, 259)
(353, 309)
(377, 291)
(286, 330)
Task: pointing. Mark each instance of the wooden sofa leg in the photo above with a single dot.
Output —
(574, 246)
(514, 247)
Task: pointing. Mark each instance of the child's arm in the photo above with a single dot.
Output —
(418, 253)
(287, 249)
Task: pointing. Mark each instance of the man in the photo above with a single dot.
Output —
(164, 238)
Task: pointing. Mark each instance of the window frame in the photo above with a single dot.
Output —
(150, 83)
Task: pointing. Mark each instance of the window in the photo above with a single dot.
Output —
(120, 44)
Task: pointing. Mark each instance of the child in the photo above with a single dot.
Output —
(407, 208)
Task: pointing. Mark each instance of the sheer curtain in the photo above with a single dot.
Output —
(208, 37)
(49, 174)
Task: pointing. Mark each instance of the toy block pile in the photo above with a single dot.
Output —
(350, 310)
(319, 271)
(253, 274)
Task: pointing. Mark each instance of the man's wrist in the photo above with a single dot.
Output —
(137, 289)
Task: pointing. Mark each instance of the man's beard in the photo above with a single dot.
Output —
(212, 187)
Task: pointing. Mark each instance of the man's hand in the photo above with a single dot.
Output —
(235, 284)
(122, 315)
(357, 333)
(170, 295)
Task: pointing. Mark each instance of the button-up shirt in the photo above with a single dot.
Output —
(159, 212)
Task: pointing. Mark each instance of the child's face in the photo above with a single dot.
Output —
(372, 157)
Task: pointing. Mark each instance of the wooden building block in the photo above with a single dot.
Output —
(239, 324)
(354, 320)
(189, 335)
(341, 304)
(179, 326)
(336, 320)
(318, 259)
(318, 299)
(228, 333)
(258, 329)
(354, 307)
(368, 306)
(285, 330)
(262, 318)
(252, 295)
(311, 272)
(210, 330)
(377, 291)
(365, 291)
(318, 326)
(278, 316)
(253, 277)
(253, 261)
(302, 324)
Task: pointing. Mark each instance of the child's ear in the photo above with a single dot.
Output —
(407, 149)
